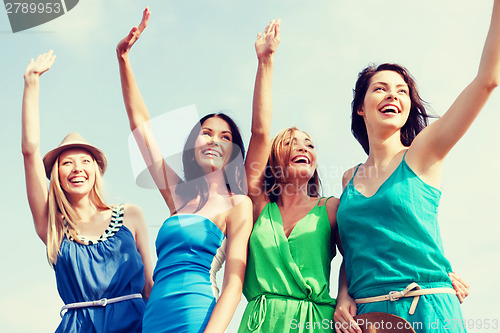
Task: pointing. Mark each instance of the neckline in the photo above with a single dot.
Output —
(206, 218)
(383, 183)
(298, 222)
(116, 210)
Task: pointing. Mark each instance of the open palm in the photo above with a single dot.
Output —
(268, 41)
(126, 43)
(41, 64)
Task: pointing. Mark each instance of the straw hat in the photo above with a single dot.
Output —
(74, 140)
(379, 322)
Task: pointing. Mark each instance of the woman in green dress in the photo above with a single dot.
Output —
(293, 239)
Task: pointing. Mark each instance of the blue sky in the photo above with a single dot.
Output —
(202, 53)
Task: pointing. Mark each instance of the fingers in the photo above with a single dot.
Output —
(461, 287)
(145, 18)
(344, 321)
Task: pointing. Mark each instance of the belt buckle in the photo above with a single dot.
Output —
(395, 295)
(101, 302)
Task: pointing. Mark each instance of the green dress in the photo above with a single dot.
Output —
(287, 280)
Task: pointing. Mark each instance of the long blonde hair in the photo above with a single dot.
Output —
(61, 210)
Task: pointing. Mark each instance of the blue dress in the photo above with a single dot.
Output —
(392, 239)
(190, 250)
(107, 269)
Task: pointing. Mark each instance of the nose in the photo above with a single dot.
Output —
(213, 141)
(77, 167)
(391, 96)
(301, 148)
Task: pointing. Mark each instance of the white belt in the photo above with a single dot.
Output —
(407, 292)
(101, 302)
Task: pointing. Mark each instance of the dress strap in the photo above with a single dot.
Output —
(327, 198)
(404, 155)
(355, 171)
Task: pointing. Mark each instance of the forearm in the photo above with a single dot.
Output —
(343, 285)
(489, 68)
(137, 111)
(30, 115)
(224, 309)
(262, 98)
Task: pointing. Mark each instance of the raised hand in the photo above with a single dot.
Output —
(40, 65)
(126, 43)
(268, 41)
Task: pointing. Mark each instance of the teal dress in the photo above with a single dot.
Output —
(392, 239)
(287, 280)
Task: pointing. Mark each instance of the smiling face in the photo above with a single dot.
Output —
(387, 101)
(77, 172)
(214, 145)
(302, 156)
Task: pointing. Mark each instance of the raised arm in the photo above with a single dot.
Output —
(238, 231)
(431, 146)
(260, 141)
(138, 116)
(36, 182)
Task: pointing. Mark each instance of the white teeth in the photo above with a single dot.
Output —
(210, 152)
(389, 108)
(301, 159)
(77, 180)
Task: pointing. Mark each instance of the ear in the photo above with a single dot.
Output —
(361, 112)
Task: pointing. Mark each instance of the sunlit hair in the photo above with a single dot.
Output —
(60, 210)
(275, 174)
(418, 118)
(195, 185)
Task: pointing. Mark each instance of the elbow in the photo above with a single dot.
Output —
(29, 148)
(489, 83)
(261, 134)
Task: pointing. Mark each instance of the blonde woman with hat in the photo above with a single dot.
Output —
(100, 253)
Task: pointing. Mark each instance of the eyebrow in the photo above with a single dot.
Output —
(386, 84)
(211, 130)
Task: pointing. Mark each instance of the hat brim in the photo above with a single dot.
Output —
(50, 158)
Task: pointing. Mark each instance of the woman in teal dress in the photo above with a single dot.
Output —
(287, 281)
(100, 253)
(210, 215)
(393, 255)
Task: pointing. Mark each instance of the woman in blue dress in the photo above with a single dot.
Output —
(100, 253)
(211, 217)
(387, 217)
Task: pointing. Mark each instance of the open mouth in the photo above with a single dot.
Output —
(301, 159)
(211, 153)
(77, 180)
(388, 109)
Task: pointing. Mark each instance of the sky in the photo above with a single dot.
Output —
(201, 53)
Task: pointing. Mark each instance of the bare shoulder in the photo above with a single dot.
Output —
(332, 205)
(348, 174)
(131, 210)
(241, 203)
(133, 216)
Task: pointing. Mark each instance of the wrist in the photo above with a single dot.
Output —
(31, 79)
(122, 56)
(266, 59)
